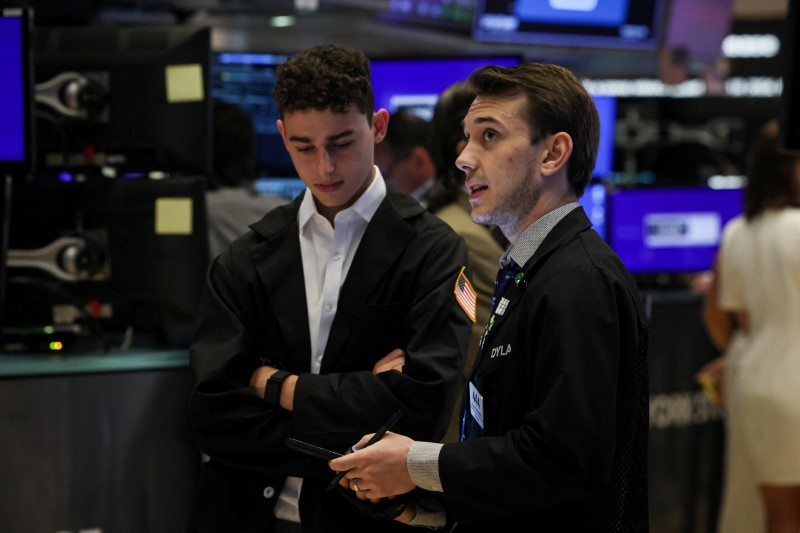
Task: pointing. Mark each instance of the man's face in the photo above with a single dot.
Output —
(502, 166)
(332, 153)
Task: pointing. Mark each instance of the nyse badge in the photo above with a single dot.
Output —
(501, 307)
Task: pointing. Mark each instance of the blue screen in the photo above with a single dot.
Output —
(607, 110)
(12, 90)
(593, 202)
(289, 188)
(415, 84)
(247, 80)
(670, 230)
(579, 12)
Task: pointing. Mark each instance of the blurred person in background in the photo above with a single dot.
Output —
(752, 314)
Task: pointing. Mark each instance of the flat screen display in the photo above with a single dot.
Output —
(14, 87)
(247, 80)
(415, 84)
(139, 99)
(607, 110)
(674, 230)
(585, 23)
(593, 202)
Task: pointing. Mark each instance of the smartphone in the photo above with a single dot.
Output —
(311, 449)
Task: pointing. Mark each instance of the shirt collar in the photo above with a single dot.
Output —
(533, 236)
(365, 207)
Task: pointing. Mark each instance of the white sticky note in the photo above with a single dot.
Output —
(173, 216)
(184, 83)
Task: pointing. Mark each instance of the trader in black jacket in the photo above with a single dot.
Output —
(330, 314)
(555, 418)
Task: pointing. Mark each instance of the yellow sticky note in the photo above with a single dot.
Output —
(184, 83)
(173, 216)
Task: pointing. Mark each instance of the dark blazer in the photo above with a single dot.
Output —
(563, 378)
(398, 294)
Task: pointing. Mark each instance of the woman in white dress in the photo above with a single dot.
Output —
(758, 277)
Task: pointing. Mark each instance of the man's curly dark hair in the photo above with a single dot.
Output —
(325, 77)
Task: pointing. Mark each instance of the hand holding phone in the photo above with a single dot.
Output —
(311, 449)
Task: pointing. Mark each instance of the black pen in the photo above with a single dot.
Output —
(375, 438)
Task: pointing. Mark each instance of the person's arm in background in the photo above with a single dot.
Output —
(718, 322)
(721, 326)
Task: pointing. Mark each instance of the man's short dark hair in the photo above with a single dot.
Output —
(556, 101)
(325, 77)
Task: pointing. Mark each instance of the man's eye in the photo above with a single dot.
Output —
(305, 149)
(489, 135)
(343, 144)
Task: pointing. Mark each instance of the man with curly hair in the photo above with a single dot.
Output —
(330, 314)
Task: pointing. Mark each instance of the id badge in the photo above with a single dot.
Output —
(476, 404)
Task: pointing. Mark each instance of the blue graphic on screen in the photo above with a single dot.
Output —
(670, 230)
(12, 114)
(593, 202)
(576, 12)
(415, 84)
(607, 110)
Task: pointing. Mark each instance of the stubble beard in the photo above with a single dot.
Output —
(513, 208)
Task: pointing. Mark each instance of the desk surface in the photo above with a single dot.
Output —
(18, 364)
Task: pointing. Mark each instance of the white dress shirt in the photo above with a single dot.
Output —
(327, 252)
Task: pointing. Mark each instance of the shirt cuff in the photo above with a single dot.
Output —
(423, 465)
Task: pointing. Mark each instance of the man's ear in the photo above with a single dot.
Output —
(559, 149)
(282, 131)
(380, 124)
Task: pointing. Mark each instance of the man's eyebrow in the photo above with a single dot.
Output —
(332, 138)
(482, 120)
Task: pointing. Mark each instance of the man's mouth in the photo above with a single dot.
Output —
(477, 188)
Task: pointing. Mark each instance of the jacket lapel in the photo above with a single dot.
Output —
(279, 264)
(572, 224)
(385, 239)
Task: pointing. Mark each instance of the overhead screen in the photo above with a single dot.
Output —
(415, 83)
(584, 23)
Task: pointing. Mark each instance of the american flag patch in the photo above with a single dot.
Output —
(465, 295)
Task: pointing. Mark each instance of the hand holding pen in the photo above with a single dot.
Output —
(372, 440)
(377, 468)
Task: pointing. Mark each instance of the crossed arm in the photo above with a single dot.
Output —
(394, 360)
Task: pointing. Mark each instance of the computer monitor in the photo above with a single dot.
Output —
(448, 15)
(289, 188)
(580, 23)
(110, 256)
(594, 203)
(670, 230)
(130, 100)
(16, 145)
(415, 84)
(248, 80)
(607, 110)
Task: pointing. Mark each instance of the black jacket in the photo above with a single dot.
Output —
(398, 294)
(563, 377)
